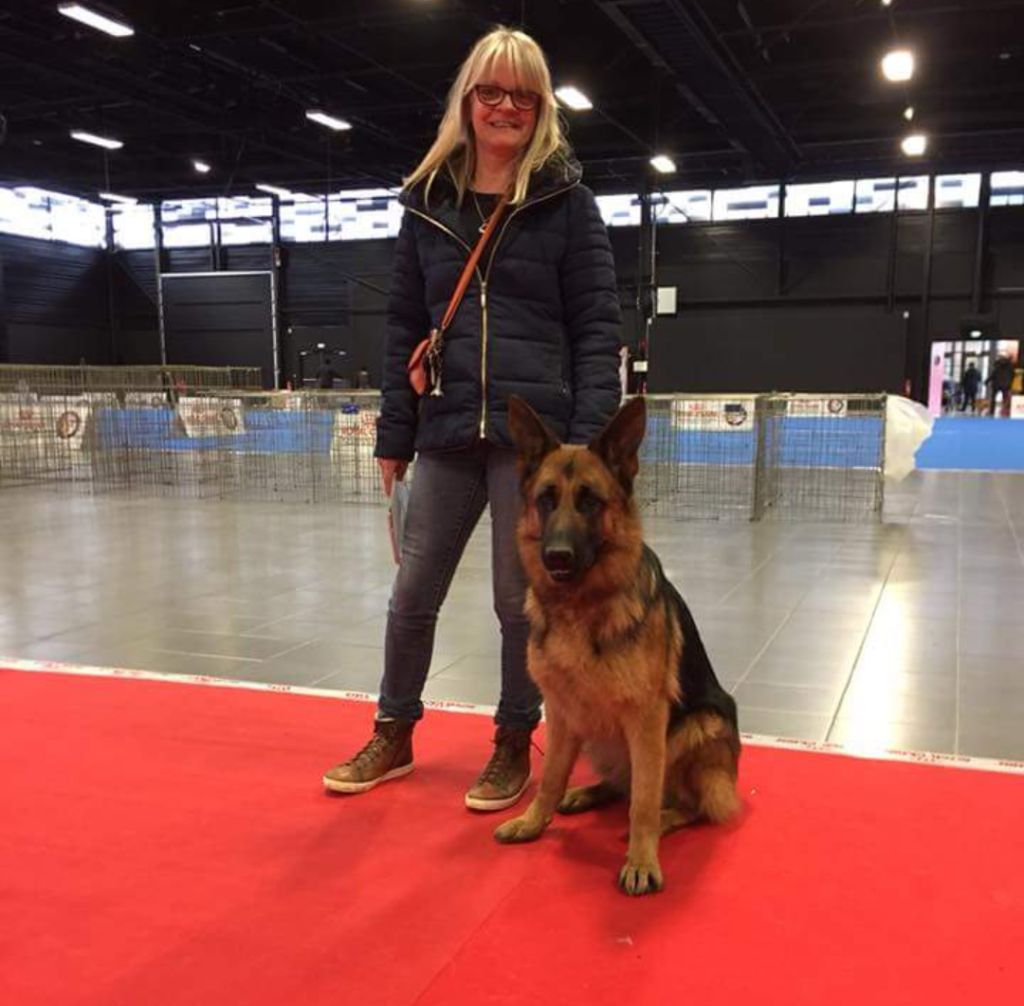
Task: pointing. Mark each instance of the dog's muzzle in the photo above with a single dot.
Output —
(560, 562)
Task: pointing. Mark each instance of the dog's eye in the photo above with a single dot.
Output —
(547, 501)
(588, 502)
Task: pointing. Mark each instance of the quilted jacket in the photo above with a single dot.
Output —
(540, 319)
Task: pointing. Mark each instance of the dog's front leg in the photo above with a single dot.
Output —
(645, 735)
(563, 747)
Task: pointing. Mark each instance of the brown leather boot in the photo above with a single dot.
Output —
(388, 755)
(506, 776)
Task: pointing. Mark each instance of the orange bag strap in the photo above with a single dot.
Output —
(472, 262)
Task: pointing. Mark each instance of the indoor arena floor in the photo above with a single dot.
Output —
(873, 636)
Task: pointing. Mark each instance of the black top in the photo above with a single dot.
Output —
(477, 208)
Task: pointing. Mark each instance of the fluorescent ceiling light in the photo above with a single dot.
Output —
(574, 98)
(97, 141)
(664, 164)
(113, 197)
(886, 3)
(898, 65)
(274, 190)
(908, 113)
(202, 167)
(330, 121)
(915, 144)
(94, 19)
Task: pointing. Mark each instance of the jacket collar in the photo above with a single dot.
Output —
(443, 206)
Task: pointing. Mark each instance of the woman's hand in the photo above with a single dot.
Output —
(391, 469)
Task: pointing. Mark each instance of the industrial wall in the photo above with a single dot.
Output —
(826, 303)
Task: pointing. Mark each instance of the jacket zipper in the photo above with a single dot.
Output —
(483, 359)
(483, 300)
(483, 279)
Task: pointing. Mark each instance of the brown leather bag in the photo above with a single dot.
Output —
(424, 366)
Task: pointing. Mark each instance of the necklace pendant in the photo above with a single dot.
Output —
(482, 227)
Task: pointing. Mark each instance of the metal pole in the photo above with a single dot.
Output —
(921, 357)
(276, 273)
(981, 245)
(780, 282)
(158, 248)
(114, 320)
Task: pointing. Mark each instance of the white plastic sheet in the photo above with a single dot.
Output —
(907, 426)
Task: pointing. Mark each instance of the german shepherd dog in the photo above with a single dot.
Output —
(614, 650)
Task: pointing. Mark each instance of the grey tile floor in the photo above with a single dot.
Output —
(906, 633)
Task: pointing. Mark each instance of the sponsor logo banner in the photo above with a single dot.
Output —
(211, 417)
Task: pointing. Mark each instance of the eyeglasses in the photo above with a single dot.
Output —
(492, 96)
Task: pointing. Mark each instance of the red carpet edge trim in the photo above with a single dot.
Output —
(1002, 765)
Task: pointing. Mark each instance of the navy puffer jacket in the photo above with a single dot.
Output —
(541, 319)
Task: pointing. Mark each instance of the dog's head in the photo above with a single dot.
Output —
(578, 501)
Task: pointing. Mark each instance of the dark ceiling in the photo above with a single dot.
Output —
(735, 91)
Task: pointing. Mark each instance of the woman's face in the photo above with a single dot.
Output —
(504, 128)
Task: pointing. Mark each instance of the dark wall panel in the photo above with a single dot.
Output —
(821, 322)
(221, 320)
(1006, 238)
(55, 298)
(953, 248)
(810, 348)
(135, 291)
(855, 265)
(337, 294)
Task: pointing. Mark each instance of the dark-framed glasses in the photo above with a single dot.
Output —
(492, 96)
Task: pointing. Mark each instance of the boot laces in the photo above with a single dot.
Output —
(506, 750)
(372, 749)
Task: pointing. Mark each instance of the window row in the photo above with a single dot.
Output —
(52, 216)
(375, 213)
(348, 216)
(865, 195)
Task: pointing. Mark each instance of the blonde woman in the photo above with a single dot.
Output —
(541, 320)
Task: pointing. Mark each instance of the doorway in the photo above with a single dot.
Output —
(949, 394)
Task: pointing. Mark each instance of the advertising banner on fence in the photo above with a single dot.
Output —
(713, 414)
(211, 417)
(147, 399)
(69, 419)
(355, 430)
(817, 406)
(61, 421)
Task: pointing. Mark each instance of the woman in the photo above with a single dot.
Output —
(541, 319)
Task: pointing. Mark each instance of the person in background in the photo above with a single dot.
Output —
(969, 384)
(1001, 380)
(326, 374)
(541, 319)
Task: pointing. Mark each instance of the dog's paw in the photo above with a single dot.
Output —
(519, 829)
(641, 877)
(583, 798)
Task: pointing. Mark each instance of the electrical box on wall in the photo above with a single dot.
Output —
(666, 300)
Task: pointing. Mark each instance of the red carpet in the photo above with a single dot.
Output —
(165, 843)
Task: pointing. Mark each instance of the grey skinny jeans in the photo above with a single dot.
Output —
(449, 493)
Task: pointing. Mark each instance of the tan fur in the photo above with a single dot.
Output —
(605, 655)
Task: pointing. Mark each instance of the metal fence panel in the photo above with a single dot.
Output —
(706, 457)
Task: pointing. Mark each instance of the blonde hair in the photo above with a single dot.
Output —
(454, 150)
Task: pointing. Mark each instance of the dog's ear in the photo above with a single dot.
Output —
(532, 438)
(619, 442)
